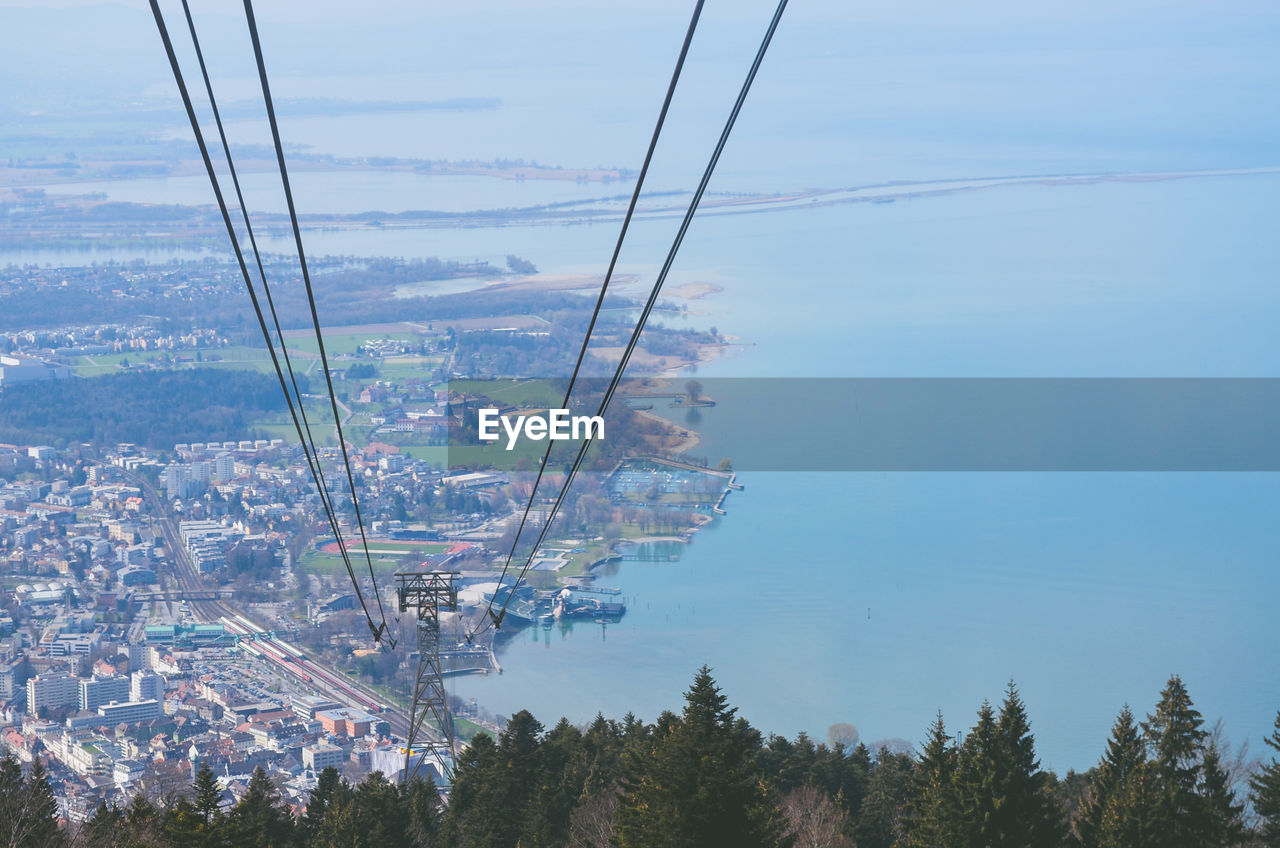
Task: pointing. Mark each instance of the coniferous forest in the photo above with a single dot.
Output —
(705, 777)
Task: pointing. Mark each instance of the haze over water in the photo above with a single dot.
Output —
(1087, 589)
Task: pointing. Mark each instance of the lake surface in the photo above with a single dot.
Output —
(1088, 589)
(879, 598)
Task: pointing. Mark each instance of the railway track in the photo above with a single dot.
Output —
(282, 657)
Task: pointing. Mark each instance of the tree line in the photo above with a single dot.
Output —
(705, 777)
(210, 292)
(158, 409)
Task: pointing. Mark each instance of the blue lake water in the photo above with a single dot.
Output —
(879, 598)
(1087, 589)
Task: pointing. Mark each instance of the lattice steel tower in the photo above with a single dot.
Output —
(429, 593)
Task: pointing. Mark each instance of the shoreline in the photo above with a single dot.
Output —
(690, 439)
(200, 235)
(13, 179)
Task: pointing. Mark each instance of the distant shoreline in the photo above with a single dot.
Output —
(15, 178)
(194, 227)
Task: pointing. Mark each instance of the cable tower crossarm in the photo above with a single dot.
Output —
(429, 594)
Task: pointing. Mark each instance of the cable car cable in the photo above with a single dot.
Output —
(613, 261)
(308, 442)
(311, 301)
(226, 218)
(653, 295)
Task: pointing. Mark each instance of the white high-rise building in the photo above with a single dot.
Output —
(131, 712)
(224, 467)
(146, 686)
(97, 691)
(177, 481)
(139, 656)
(52, 690)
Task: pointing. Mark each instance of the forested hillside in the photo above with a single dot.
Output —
(705, 777)
(157, 409)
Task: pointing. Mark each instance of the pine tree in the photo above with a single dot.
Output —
(1072, 790)
(799, 764)
(1004, 797)
(258, 821)
(1222, 825)
(327, 787)
(560, 782)
(208, 794)
(1118, 811)
(475, 813)
(1029, 816)
(379, 816)
(1266, 793)
(879, 822)
(423, 808)
(43, 806)
(694, 785)
(775, 760)
(855, 779)
(602, 749)
(206, 807)
(182, 824)
(105, 828)
(932, 812)
(1176, 738)
(339, 828)
(10, 777)
(28, 811)
(142, 821)
(976, 772)
(515, 779)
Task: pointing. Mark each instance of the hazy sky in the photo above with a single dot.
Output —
(1082, 85)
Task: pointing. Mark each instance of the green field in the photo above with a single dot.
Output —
(434, 454)
(385, 555)
(260, 362)
(336, 344)
(531, 393)
(496, 455)
(237, 356)
(467, 730)
(406, 367)
(577, 563)
(322, 564)
(399, 548)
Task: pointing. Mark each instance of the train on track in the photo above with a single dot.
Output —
(260, 644)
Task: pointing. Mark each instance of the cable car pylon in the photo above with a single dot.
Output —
(429, 593)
